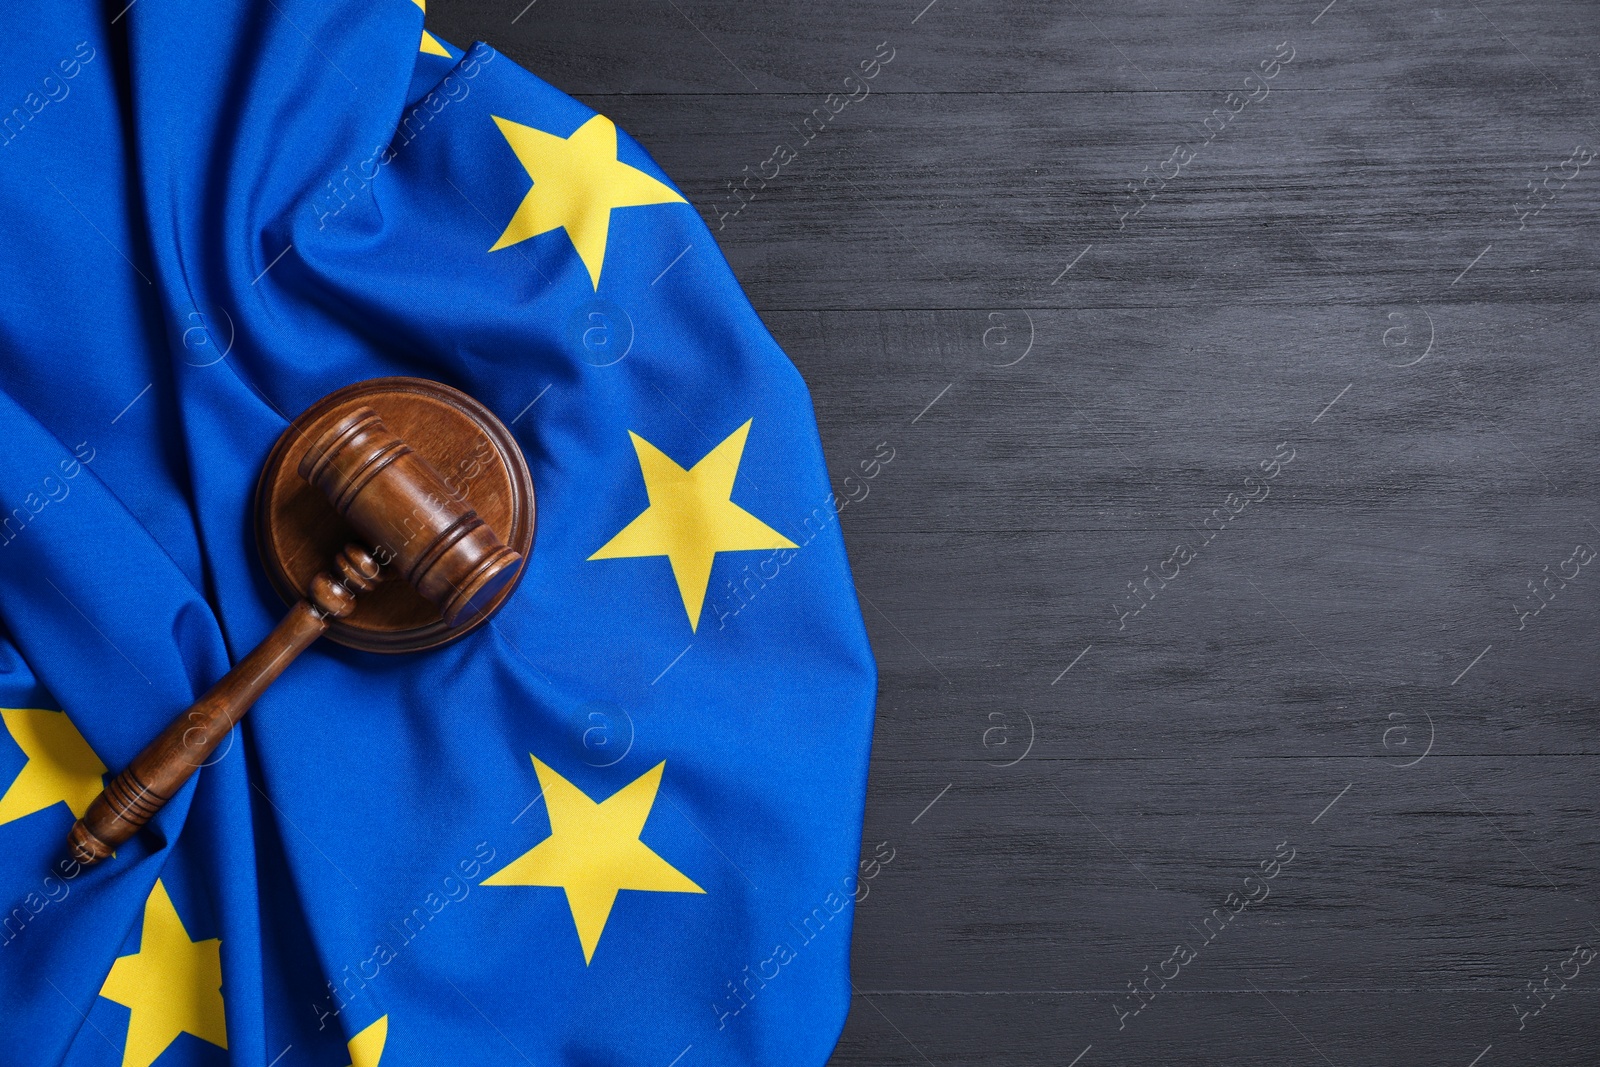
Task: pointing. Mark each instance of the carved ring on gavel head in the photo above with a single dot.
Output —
(403, 508)
(394, 477)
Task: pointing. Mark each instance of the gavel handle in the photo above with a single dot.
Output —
(157, 773)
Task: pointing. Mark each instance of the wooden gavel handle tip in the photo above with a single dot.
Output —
(86, 848)
(114, 816)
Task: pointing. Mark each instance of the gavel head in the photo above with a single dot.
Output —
(412, 519)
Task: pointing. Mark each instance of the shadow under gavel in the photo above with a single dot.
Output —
(422, 530)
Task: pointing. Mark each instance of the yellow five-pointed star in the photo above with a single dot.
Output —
(61, 766)
(577, 180)
(173, 985)
(594, 850)
(691, 517)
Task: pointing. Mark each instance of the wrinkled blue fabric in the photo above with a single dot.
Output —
(215, 214)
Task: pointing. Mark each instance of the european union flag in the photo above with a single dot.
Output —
(619, 825)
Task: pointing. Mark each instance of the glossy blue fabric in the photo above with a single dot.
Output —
(209, 224)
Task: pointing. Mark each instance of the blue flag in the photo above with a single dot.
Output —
(619, 825)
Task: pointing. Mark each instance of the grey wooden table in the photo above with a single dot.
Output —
(1231, 582)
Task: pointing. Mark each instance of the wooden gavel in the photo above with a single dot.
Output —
(415, 523)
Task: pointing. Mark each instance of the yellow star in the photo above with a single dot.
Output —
(577, 180)
(61, 766)
(691, 517)
(430, 43)
(594, 850)
(173, 985)
(366, 1048)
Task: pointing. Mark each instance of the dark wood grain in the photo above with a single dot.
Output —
(1350, 665)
